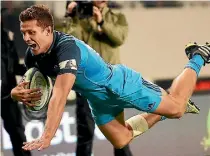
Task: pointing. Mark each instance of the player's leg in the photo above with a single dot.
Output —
(154, 99)
(173, 105)
(116, 131)
(120, 133)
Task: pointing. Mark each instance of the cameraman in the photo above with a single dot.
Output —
(105, 31)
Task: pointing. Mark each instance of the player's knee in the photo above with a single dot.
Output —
(177, 110)
(120, 144)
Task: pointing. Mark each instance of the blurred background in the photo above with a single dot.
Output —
(157, 34)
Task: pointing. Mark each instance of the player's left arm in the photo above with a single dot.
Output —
(62, 87)
(68, 59)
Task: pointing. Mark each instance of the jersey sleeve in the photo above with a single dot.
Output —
(68, 57)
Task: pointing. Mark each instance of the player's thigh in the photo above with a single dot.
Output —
(153, 99)
(116, 131)
(162, 102)
(170, 106)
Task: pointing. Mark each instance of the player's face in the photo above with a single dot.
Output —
(36, 37)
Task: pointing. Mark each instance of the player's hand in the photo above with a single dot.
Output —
(27, 96)
(97, 14)
(38, 144)
(71, 6)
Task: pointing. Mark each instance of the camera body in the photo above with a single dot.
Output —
(83, 10)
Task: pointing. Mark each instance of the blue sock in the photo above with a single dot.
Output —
(195, 63)
(162, 118)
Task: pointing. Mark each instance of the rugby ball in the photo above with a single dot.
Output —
(37, 80)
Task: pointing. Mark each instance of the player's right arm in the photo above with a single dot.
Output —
(19, 93)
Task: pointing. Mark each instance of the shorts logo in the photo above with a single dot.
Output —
(151, 105)
(68, 64)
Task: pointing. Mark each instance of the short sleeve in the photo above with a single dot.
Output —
(68, 57)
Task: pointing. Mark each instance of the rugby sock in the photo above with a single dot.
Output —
(195, 63)
(163, 118)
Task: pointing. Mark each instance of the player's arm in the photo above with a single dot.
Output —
(19, 93)
(62, 87)
(68, 57)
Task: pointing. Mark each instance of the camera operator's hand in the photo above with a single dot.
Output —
(97, 14)
(71, 6)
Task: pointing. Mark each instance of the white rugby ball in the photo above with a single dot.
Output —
(37, 80)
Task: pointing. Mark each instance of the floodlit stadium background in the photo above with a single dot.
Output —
(154, 47)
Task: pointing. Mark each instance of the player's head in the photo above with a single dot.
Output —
(37, 25)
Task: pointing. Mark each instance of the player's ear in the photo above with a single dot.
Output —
(48, 30)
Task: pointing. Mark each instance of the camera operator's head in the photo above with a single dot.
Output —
(85, 9)
(100, 4)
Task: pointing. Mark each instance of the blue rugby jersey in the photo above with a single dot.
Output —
(94, 77)
(108, 88)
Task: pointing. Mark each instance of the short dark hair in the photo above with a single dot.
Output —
(41, 13)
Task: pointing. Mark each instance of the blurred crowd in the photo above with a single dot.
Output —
(11, 21)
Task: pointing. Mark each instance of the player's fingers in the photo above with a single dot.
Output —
(41, 148)
(44, 145)
(33, 146)
(30, 91)
(24, 148)
(26, 145)
(22, 84)
(35, 99)
(26, 97)
(35, 94)
(30, 98)
(26, 94)
(27, 148)
(29, 104)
